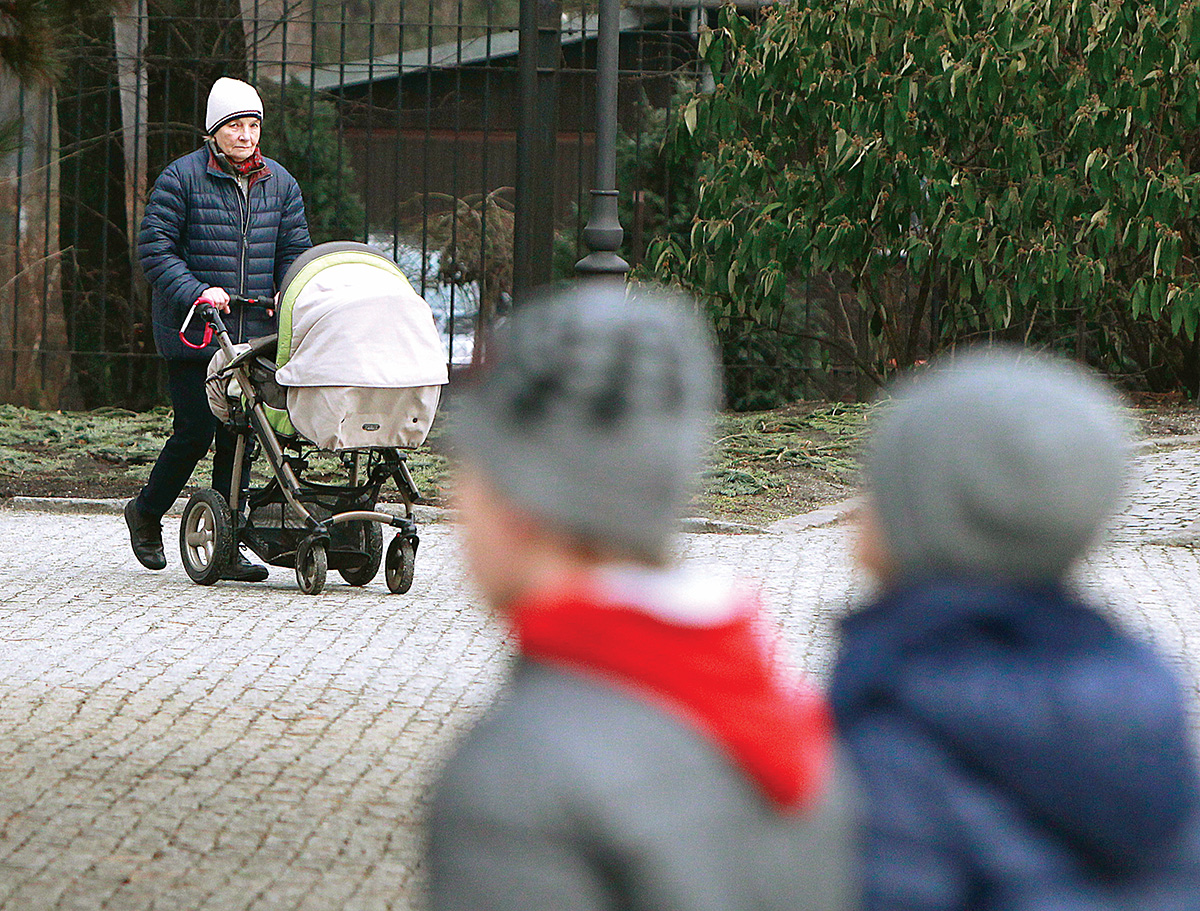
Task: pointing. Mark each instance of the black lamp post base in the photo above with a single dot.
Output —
(602, 265)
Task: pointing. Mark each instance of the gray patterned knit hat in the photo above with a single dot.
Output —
(1005, 464)
(595, 413)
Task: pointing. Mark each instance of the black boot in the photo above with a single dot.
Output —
(243, 570)
(145, 535)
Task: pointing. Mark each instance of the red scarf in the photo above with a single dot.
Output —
(253, 167)
(249, 165)
(723, 679)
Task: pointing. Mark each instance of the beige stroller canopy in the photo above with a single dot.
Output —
(358, 351)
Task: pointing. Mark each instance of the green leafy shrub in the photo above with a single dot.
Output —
(301, 130)
(937, 170)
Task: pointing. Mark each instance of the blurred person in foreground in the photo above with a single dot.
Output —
(1018, 750)
(648, 750)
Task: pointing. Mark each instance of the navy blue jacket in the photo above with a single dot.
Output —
(1017, 751)
(200, 231)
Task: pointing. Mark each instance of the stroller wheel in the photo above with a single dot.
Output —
(372, 543)
(206, 537)
(399, 566)
(312, 563)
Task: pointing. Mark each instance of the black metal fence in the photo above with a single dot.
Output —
(400, 121)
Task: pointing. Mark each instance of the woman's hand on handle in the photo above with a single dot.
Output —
(218, 297)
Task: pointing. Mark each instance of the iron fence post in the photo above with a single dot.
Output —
(537, 128)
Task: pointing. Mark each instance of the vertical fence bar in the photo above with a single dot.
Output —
(580, 170)
(141, 155)
(255, 28)
(540, 48)
(454, 194)
(314, 13)
(17, 234)
(341, 137)
(369, 138)
(396, 152)
(76, 152)
(425, 162)
(485, 184)
(283, 51)
(49, 165)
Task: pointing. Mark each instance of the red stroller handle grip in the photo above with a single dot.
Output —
(208, 329)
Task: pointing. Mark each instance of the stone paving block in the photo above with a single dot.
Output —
(169, 746)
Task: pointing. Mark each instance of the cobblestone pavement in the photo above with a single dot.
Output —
(168, 746)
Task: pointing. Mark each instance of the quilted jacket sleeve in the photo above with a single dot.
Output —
(293, 231)
(160, 245)
(913, 848)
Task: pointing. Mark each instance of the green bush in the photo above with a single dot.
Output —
(301, 131)
(940, 170)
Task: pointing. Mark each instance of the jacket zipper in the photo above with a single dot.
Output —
(243, 198)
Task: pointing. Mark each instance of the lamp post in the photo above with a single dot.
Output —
(603, 233)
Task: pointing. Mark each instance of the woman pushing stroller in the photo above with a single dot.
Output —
(220, 218)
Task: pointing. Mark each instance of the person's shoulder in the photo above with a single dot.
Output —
(506, 766)
(528, 722)
(549, 727)
(597, 744)
(186, 166)
(279, 171)
(197, 159)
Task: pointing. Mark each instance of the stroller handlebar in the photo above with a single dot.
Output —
(264, 301)
(212, 316)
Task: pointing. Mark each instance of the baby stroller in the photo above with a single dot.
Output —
(356, 370)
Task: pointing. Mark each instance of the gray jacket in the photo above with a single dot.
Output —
(571, 794)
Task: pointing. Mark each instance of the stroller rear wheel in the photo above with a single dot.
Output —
(400, 564)
(312, 563)
(206, 537)
(370, 536)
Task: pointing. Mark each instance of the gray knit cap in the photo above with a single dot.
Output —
(1005, 464)
(595, 413)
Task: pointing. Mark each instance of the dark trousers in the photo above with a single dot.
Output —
(192, 433)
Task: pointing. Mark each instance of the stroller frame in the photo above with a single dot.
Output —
(332, 526)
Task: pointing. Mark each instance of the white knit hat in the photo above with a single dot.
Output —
(228, 100)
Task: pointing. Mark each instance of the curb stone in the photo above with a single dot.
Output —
(428, 515)
(422, 514)
(698, 525)
(818, 518)
(1156, 444)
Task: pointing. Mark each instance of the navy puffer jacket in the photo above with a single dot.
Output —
(1019, 752)
(200, 232)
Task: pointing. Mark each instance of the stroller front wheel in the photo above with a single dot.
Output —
(206, 537)
(312, 563)
(400, 564)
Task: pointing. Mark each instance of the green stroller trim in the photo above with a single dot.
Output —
(283, 352)
(279, 421)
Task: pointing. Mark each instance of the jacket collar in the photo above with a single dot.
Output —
(718, 672)
(216, 165)
(879, 638)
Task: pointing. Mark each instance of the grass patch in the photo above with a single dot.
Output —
(770, 464)
(46, 442)
(765, 464)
